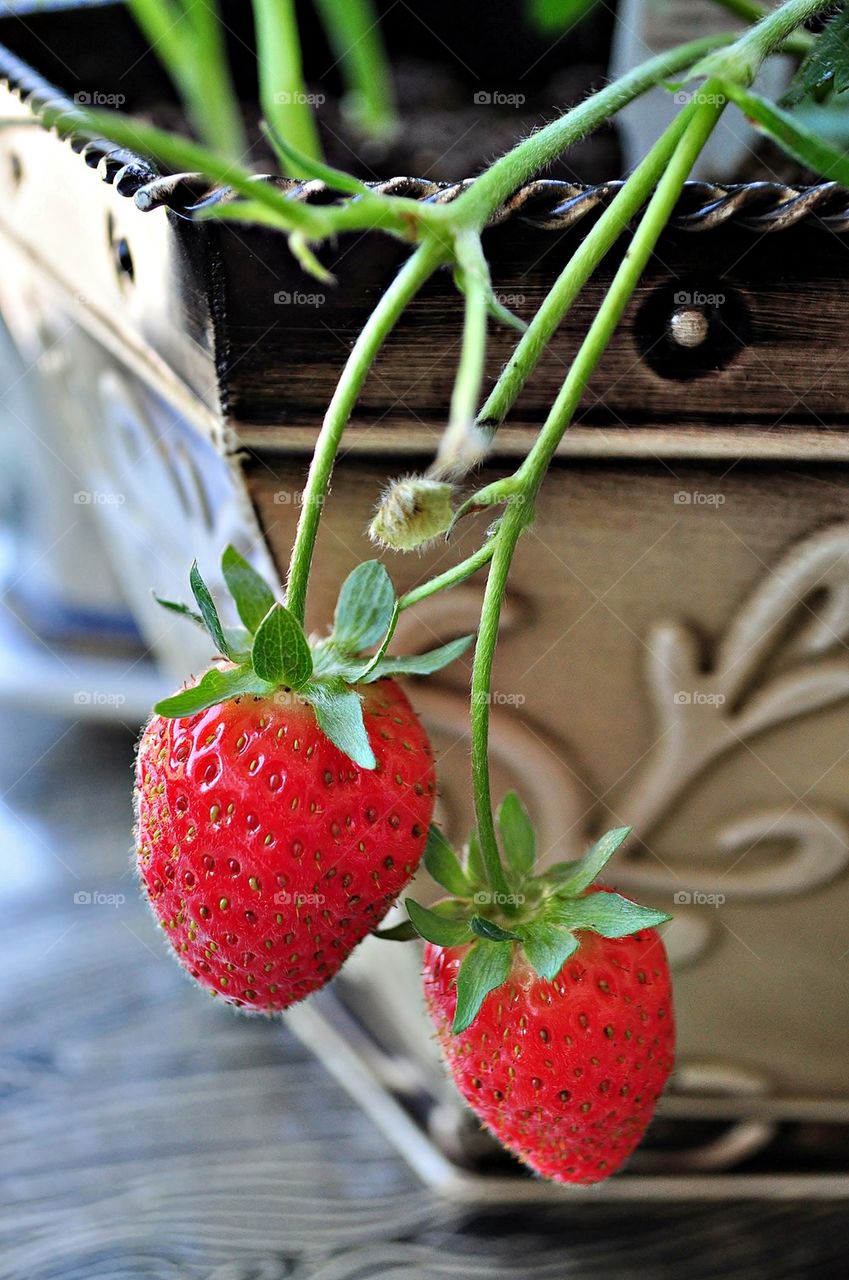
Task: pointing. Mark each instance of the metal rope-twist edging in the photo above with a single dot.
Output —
(545, 203)
(554, 205)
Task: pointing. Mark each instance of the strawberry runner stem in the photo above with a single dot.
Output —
(520, 490)
(415, 271)
(531, 155)
(592, 249)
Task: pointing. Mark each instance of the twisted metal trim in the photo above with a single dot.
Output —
(547, 204)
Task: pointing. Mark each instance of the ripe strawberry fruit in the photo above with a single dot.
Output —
(565, 1073)
(267, 854)
(284, 801)
(554, 1009)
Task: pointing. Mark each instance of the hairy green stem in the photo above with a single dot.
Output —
(475, 283)
(415, 271)
(776, 27)
(451, 577)
(509, 531)
(524, 485)
(527, 158)
(741, 62)
(530, 474)
(282, 92)
(799, 43)
(592, 249)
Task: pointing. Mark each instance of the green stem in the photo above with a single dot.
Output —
(799, 44)
(353, 30)
(451, 577)
(415, 271)
(189, 42)
(465, 397)
(540, 149)
(282, 92)
(776, 27)
(530, 474)
(592, 249)
(743, 60)
(216, 114)
(527, 480)
(509, 531)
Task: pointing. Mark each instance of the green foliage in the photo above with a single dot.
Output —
(443, 865)
(364, 608)
(281, 653)
(547, 946)
(573, 878)
(826, 68)
(484, 968)
(339, 712)
(251, 593)
(542, 920)
(272, 652)
(792, 135)
(437, 928)
(518, 837)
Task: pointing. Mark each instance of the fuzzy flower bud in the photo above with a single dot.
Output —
(412, 512)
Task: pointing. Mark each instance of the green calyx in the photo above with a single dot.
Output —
(542, 915)
(271, 653)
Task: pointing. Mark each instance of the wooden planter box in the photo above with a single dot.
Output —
(674, 648)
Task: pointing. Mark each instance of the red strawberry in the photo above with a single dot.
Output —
(551, 999)
(284, 801)
(565, 1073)
(266, 853)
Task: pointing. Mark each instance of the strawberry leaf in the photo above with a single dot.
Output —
(403, 932)
(609, 914)
(785, 129)
(593, 862)
(436, 928)
(826, 66)
(443, 865)
(251, 593)
(339, 712)
(182, 609)
(208, 611)
(559, 872)
(239, 641)
(280, 651)
(329, 661)
(419, 664)
(297, 161)
(485, 967)
(364, 608)
(216, 686)
(517, 835)
(491, 931)
(547, 947)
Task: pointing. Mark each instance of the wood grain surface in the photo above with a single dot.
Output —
(773, 357)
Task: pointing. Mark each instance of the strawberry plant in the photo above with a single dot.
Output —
(285, 800)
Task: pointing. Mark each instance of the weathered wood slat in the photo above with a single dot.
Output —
(774, 357)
